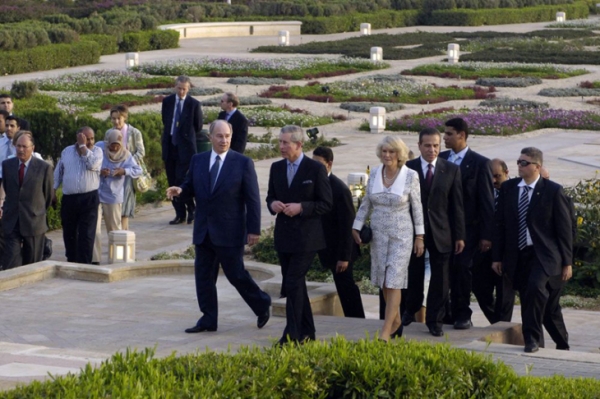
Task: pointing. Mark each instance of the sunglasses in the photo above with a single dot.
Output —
(523, 163)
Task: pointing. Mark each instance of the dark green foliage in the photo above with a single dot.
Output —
(108, 43)
(23, 89)
(149, 40)
(334, 369)
(351, 22)
(52, 56)
(530, 56)
(150, 124)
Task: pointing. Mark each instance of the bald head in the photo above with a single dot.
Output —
(499, 172)
(220, 136)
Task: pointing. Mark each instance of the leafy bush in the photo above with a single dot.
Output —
(108, 43)
(351, 22)
(366, 107)
(52, 56)
(250, 100)
(150, 124)
(511, 103)
(336, 368)
(569, 92)
(255, 81)
(508, 82)
(149, 40)
(23, 89)
(53, 213)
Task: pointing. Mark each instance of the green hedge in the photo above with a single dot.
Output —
(499, 16)
(351, 22)
(149, 40)
(335, 369)
(108, 43)
(52, 56)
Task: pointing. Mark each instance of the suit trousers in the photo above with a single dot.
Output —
(461, 278)
(79, 214)
(2, 245)
(494, 293)
(540, 296)
(299, 317)
(439, 284)
(111, 213)
(206, 270)
(347, 289)
(176, 169)
(21, 250)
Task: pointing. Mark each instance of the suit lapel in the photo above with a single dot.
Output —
(13, 171)
(204, 166)
(467, 164)
(298, 177)
(440, 169)
(537, 193)
(513, 198)
(32, 171)
(226, 169)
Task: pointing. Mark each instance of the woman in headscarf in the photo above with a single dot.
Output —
(118, 163)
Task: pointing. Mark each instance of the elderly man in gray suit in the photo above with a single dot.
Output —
(27, 182)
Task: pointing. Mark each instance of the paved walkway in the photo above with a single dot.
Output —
(58, 325)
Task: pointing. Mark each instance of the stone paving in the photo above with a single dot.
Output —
(59, 325)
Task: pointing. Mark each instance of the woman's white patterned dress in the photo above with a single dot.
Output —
(393, 225)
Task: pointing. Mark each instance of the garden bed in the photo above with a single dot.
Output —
(284, 68)
(270, 116)
(92, 103)
(104, 81)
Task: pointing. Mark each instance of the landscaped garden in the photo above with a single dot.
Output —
(104, 81)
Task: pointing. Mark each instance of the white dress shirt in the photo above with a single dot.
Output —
(530, 194)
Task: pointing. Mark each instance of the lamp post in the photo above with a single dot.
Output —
(377, 119)
(132, 59)
(121, 246)
(376, 54)
(453, 53)
(561, 16)
(284, 37)
(365, 29)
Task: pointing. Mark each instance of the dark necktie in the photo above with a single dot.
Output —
(523, 207)
(429, 176)
(214, 173)
(176, 118)
(21, 173)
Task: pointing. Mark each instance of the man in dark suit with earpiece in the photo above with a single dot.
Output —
(237, 120)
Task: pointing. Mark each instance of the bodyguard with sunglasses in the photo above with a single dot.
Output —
(533, 246)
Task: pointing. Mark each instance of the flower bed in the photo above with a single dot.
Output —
(401, 90)
(104, 80)
(285, 68)
(82, 102)
(366, 107)
(250, 100)
(498, 121)
(508, 82)
(276, 116)
(476, 70)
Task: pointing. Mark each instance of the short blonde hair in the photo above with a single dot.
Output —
(396, 144)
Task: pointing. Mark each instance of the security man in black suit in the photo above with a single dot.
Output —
(182, 121)
(237, 120)
(441, 196)
(341, 249)
(533, 245)
(299, 194)
(478, 204)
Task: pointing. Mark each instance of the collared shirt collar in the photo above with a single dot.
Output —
(424, 163)
(461, 153)
(532, 185)
(213, 156)
(297, 161)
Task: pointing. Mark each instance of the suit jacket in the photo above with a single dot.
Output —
(27, 204)
(239, 123)
(442, 204)
(478, 193)
(337, 223)
(232, 209)
(311, 188)
(549, 220)
(190, 124)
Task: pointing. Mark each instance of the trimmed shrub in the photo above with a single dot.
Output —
(351, 22)
(570, 92)
(510, 103)
(508, 82)
(250, 100)
(366, 107)
(108, 43)
(242, 80)
(149, 40)
(23, 89)
(53, 56)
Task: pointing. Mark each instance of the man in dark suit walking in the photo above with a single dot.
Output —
(28, 184)
(299, 194)
(182, 121)
(341, 249)
(478, 205)
(225, 186)
(533, 245)
(441, 196)
(237, 120)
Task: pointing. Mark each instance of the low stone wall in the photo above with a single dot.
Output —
(232, 29)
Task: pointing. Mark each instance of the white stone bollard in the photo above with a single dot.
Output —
(376, 54)
(377, 119)
(561, 16)
(121, 246)
(284, 37)
(453, 53)
(365, 29)
(132, 59)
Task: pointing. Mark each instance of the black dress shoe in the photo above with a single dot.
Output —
(198, 329)
(190, 218)
(398, 332)
(436, 331)
(262, 320)
(463, 324)
(407, 318)
(307, 338)
(177, 221)
(532, 347)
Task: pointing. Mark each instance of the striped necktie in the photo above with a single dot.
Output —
(523, 207)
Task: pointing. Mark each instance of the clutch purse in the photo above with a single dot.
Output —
(144, 181)
(366, 234)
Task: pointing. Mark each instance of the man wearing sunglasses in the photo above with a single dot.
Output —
(533, 245)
